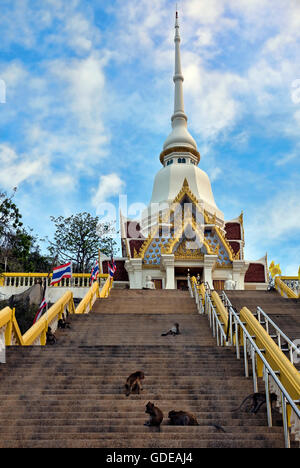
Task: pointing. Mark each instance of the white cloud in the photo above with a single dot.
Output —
(215, 173)
(109, 186)
(273, 223)
(15, 168)
(287, 158)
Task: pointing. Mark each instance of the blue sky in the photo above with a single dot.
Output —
(89, 96)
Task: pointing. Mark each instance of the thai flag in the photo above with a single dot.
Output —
(94, 272)
(60, 272)
(112, 268)
(40, 311)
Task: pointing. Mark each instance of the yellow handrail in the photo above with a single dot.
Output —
(283, 289)
(201, 290)
(221, 310)
(37, 333)
(39, 329)
(86, 304)
(284, 277)
(12, 330)
(105, 291)
(287, 372)
(43, 275)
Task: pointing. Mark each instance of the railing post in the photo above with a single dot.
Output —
(8, 330)
(43, 338)
(245, 355)
(253, 357)
(268, 402)
(237, 344)
(285, 422)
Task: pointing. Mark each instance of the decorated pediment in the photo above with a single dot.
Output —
(170, 234)
(186, 250)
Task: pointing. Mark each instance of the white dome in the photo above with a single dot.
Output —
(180, 136)
(169, 180)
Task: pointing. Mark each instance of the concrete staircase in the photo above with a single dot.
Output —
(284, 312)
(71, 394)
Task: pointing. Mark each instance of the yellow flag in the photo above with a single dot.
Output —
(271, 268)
(275, 269)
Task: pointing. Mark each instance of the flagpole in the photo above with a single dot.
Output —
(100, 267)
(99, 261)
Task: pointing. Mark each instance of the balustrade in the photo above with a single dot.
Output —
(21, 280)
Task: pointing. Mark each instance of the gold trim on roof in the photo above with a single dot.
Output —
(168, 249)
(208, 219)
(179, 149)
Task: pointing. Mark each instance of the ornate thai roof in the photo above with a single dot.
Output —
(208, 238)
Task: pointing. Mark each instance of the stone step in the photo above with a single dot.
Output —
(72, 394)
(136, 425)
(148, 442)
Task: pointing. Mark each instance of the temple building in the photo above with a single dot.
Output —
(182, 230)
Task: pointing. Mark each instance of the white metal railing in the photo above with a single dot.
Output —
(236, 331)
(286, 346)
(208, 309)
(252, 349)
(190, 286)
(292, 283)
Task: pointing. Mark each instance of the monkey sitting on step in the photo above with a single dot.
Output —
(258, 399)
(50, 337)
(182, 418)
(134, 382)
(173, 331)
(156, 415)
(62, 323)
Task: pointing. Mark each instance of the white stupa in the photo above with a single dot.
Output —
(182, 231)
(180, 159)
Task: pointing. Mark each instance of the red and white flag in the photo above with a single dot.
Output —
(40, 311)
(60, 272)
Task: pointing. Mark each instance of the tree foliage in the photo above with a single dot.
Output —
(78, 238)
(19, 249)
(10, 217)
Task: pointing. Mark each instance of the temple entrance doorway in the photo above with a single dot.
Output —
(157, 283)
(181, 274)
(219, 285)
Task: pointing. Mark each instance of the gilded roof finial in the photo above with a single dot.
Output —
(185, 183)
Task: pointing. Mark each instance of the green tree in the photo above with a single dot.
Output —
(19, 249)
(78, 238)
(10, 217)
(10, 222)
(25, 254)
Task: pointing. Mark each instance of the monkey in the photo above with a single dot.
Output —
(183, 418)
(173, 331)
(50, 337)
(258, 399)
(62, 323)
(156, 415)
(134, 382)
